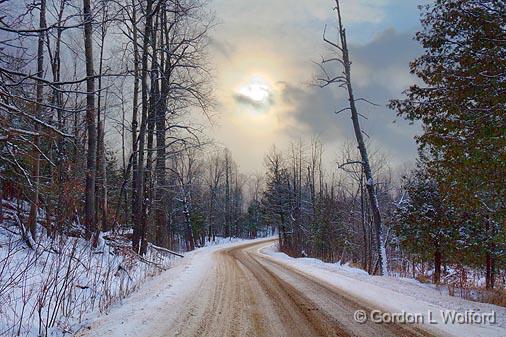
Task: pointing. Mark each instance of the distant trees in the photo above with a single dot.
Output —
(461, 104)
(226, 194)
(203, 204)
(277, 196)
(320, 213)
(37, 111)
(254, 218)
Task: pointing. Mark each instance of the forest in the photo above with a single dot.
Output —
(104, 112)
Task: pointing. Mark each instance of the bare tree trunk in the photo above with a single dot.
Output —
(489, 271)
(91, 163)
(153, 102)
(190, 240)
(57, 101)
(101, 189)
(211, 212)
(139, 204)
(32, 218)
(437, 266)
(101, 195)
(362, 221)
(135, 123)
(1, 199)
(227, 195)
(370, 184)
(160, 195)
(123, 198)
(489, 260)
(160, 108)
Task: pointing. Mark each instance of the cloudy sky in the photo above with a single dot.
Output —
(263, 53)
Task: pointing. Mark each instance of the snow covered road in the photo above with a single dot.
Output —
(238, 290)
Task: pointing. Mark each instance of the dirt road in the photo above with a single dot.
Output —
(250, 294)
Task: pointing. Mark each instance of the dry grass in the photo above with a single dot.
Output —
(493, 296)
(496, 296)
(423, 278)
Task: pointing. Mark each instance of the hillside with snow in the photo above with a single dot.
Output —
(48, 287)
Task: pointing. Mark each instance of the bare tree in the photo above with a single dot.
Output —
(138, 208)
(32, 219)
(344, 81)
(91, 159)
(214, 177)
(101, 175)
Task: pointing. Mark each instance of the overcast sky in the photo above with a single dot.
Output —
(263, 52)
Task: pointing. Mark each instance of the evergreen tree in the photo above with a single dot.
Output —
(461, 105)
(425, 219)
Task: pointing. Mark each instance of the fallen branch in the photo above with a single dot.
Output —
(150, 262)
(165, 250)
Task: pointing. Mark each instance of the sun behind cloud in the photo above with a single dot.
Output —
(256, 93)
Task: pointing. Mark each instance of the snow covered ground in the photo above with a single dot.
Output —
(162, 300)
(49, 289)
(159, 303)
(396, 295)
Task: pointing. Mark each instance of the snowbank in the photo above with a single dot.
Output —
(49, 289)
(395, 294)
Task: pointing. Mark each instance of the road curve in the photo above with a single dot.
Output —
(250, 294)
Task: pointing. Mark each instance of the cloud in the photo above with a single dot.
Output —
(255, 104)
(224, 48)
(268, 12)
(385, 60)
(279, 40)
(256, 93)
(380, 72)
(310, 112)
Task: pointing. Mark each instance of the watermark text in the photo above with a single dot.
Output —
(429, 317)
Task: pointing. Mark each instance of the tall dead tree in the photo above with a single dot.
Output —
(344, 81)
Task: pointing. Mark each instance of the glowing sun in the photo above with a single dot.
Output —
(257, 92)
